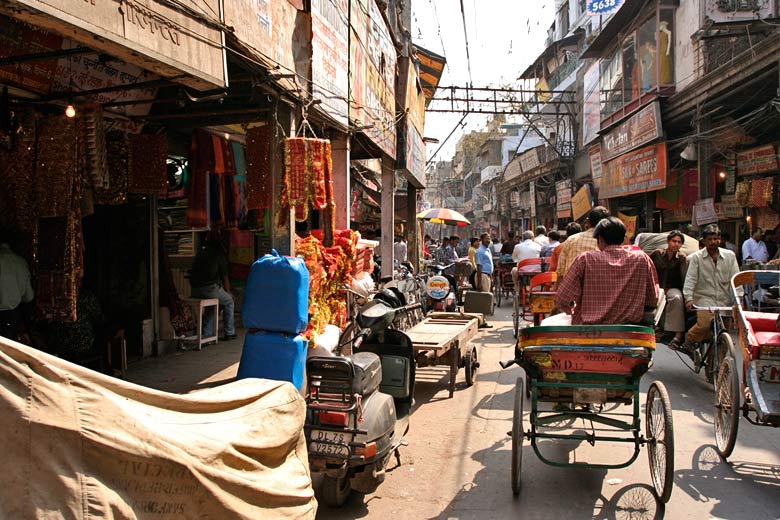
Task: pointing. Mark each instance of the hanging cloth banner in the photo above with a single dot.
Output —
(630, 223)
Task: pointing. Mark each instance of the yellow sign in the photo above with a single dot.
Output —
(630, 223)
(581, 202)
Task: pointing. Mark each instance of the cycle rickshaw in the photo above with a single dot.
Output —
(756, 395)
(574, 372)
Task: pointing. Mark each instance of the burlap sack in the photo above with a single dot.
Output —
(78, 444)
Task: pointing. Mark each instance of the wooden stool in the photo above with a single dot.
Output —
(198, 306)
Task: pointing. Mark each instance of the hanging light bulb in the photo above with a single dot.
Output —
(227, 136)
(70, 110)
(722, 175)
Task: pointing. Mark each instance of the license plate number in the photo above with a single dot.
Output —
(329, 449)
(330, 437)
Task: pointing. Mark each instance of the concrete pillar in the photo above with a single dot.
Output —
(412, 229)
(388, 216)
(341, 179)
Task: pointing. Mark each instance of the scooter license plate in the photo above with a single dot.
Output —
(329, 443)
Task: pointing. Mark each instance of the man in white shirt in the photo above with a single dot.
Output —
(526, 249)
(541, 237)
(754, 248)
(15, 289)
(400, 250)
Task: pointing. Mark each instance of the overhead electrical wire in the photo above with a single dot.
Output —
(466, 38)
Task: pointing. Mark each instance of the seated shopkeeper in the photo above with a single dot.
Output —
(609, 286)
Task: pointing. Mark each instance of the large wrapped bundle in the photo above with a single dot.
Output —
(84, 445)
(277, 295)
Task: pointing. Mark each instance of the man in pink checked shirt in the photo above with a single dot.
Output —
(610, 286)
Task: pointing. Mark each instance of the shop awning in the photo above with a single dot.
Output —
(431, 70)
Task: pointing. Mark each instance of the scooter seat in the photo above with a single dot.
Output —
(368, 372)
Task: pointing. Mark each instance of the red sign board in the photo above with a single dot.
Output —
(635, 172)
(19, 38)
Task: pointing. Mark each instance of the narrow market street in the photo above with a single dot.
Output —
(457, 464)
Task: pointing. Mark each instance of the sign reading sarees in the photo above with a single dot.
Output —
(634, 172)
(372, 70)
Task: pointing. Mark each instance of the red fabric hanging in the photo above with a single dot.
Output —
(258, 168)
(148, 163)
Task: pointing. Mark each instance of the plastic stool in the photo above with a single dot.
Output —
(198, 307)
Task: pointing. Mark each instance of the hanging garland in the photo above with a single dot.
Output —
(307, 179)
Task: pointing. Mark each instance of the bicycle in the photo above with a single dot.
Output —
(709, 354)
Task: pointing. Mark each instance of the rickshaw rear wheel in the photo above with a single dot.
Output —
(516, 313)
(727, 404)
(517, 435)
(659, 430)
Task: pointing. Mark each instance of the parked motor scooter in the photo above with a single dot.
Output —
(358, 406)
(440, 290)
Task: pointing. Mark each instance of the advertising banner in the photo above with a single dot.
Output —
(629, 222)
(563, 198)
(591, 108)
(594, 155)
(704, 210)
(372, 68)
(635, 172)
(329, 56)
(641, 128)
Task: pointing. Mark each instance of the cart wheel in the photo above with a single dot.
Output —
(727, 403)
(472, 364)
(660, 440)
(499, 289)
(516, 313)
(335, 491)
(517, 435)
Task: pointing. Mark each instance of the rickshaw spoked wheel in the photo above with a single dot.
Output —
(516, 313)
(727, 404)
(659, 431)
(517, 435)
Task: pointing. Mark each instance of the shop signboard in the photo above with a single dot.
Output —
(591, 107)
(641, 128)
(603, 7)
(530, 159)
(704, 211)
(563, 198)
(757, 160)
(329, 57)
(415, 154)
(372, 71)
(524, 200)
(729, 207)
(269, 30)
(581, 202)
(594, 155)
(513, 169)
(724, 11)
(635, 172)
(19, 38)
(532, 196)
(158, 36)
(678, 215)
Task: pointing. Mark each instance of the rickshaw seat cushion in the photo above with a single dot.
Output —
(771, 339)
(762, 321)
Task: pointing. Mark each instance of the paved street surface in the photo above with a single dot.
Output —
(457, 464)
